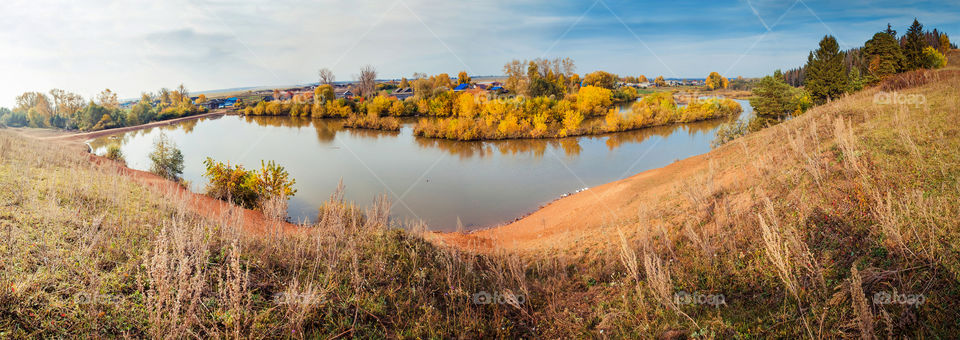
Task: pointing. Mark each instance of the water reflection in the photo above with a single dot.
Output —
(480, 183)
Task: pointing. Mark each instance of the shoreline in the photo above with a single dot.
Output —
(85, 136)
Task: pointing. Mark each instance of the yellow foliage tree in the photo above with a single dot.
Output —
(571, 122)
(593, 100)
(463, 78)
(716, 81)
(465, 105)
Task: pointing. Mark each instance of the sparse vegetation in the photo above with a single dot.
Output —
(166, 160)
(114, 153)
(790, 255)
(252, 189)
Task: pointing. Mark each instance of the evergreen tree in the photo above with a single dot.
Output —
(826, 76)
(892, 32)
(856, 80)
(913, 46)
(884, 56)
(772, 97)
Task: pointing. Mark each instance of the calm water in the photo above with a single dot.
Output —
(438, 181)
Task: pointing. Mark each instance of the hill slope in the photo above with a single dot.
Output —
(840, 222)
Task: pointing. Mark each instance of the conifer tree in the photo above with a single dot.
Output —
(913, 46)
(826, 76)
(884, 55)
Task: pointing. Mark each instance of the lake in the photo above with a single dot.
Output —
(441, 182)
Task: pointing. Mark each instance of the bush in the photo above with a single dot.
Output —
(114, 153)
(728, 132)
(166, 158)
(248, 188)
(14, 119)
(933, 59)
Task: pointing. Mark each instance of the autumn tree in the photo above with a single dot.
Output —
(324, 93)
(65, 103)
(423, 87)
(883, 54)
(326, 76)
(108, 99)
(642, 79)
(826, 75)
(594, 100)
(944, 43)
(404, 83)
(141, 112)
(913, 46)
(37, 107)
(184, 93)
(602, 79)
(514, 70)
(574, 83)
(164, 96)
(463, 78)
(202, 98)
(716, 81)
(541, 87)
(932, 58)
(660, 81)
(367, 81)
(441, 80)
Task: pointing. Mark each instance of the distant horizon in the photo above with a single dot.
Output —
(133, 48)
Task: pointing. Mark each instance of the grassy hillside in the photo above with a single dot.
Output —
(839, 223)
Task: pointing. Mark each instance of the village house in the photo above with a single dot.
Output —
(343, 93)
(403, 93)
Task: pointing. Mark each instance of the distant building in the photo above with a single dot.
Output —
(461, 87)
(403, 93)
(228, 103)
(343, 94)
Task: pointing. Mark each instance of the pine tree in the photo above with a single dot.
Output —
(772, 97)
(884, 55)
(826, 76)
(892, 32)
(913, 46)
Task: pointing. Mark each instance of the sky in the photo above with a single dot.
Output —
(141, 46)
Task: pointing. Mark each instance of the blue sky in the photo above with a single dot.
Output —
(130, 47)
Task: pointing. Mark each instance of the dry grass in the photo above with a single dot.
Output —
(797, 226)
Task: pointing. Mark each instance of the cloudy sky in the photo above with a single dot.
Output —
(135, 46)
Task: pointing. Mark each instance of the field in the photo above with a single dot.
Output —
(839, 223)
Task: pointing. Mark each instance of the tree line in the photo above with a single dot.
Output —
(70, 111)
(830, 73)
(887, 53)
(545, 98)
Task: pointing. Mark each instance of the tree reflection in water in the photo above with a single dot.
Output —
(327, 129)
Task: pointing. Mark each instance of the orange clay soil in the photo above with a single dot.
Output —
(213, 209)
(592, 219)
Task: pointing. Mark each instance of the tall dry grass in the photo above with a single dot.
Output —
(796, 226)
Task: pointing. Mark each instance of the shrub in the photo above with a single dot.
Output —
(728, 132)
(372, 121)
(933, 59)
(231, 183)
(166, 158)
(114, 153)
(248, 188)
